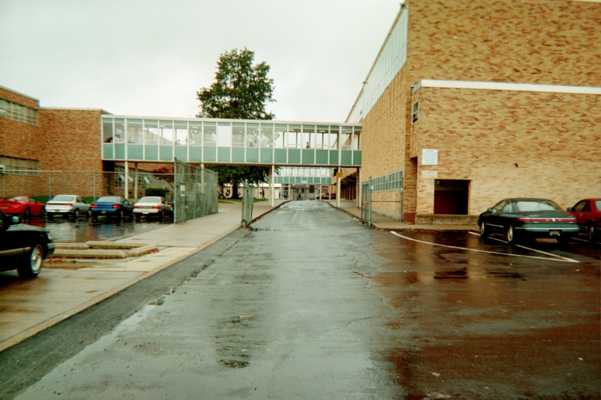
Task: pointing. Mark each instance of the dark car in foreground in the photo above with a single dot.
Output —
(111, 206)
(527, 218)
(588, 216)
(23, 247)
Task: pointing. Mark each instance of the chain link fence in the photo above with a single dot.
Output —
(43, 185)
(196, 192)
(382, 195)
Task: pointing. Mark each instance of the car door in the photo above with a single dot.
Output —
(494, 221)
(580, 210)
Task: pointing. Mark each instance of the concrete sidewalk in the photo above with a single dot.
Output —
(386, 223)
(30, 306)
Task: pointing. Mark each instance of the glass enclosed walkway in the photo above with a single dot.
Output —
(221, 141)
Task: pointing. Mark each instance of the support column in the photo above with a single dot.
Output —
(271, 186)
(126, 183)
(135, 181)
(359, 188)
(202, 177)
(338, 189)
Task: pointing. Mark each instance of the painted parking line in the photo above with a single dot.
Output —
(554, 258)
(529, 248)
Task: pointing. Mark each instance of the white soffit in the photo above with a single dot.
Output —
(521, 87)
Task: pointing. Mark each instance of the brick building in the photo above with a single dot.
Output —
(37, 141)
(474, 101)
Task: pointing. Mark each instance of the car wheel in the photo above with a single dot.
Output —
(591, 233)
(483, 230)
(75, 215)
(32, 263)
(510, 235)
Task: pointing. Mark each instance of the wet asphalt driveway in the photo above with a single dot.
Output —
(312, 305)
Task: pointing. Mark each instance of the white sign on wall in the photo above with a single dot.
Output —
(429, 157)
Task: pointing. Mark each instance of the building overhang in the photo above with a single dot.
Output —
(506, 86)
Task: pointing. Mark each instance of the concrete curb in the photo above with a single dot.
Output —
(33, 330)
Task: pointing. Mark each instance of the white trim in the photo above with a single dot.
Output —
(520, 87)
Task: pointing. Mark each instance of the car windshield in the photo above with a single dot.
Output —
(598, 204)
(535, 205)
(20, 198)
(150, 200)
(109, 199)
(63, 197)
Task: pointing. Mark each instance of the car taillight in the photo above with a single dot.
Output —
(158, 206)
(92, 206)
(116, 206)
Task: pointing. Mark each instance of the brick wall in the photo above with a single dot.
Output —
(486, 40)
(509, 144)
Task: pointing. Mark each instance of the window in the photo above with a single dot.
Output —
(119, 131)
(210, 134)
(107, 131)
(345, 138)
(196, 133)
(582, 206)
(598, 205)
(415, 111)
(134, 131)
(167, 133)
(152, 133)
(238, 135)
(266, 136)
(18, 112)
(278, 136)
(252, 135)
(181, 133)
(535, 205)
(224, 135)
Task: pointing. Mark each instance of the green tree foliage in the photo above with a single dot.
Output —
(241, 90)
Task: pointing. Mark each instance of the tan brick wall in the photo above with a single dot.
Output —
(510, 144)
(486, 40)
(531, 41)
(72, 144)
(19, 139)
(18, 98)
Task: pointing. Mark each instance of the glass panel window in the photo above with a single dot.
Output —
(224, 134)
(152, 133)
(317, 140)
(238, 135)
(210, 134)
(119, 131)
(252, 135)
(292, 136)
(107, 131)
(355, 141)
(304, 140)
(333, 137)
(167, 133)
(181, 133)
(345, 137)
(196, 133)
(134, 131)
(290, 139)
(266, 136)
(279, 136)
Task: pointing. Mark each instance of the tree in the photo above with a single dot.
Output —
(241, 90)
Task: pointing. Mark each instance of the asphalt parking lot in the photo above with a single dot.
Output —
(65, 230)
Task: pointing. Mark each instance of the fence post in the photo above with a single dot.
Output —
(247, 205)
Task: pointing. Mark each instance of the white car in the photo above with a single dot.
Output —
(68, 205)
(152, 206)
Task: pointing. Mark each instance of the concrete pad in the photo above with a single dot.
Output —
(72, 246)
(107, 244)
(100, 254)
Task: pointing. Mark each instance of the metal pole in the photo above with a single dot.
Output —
(271, 186)
(338, 186)
(126, 183)
(359, 188)
(135, 181)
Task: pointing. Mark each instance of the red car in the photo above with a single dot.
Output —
(22, 206)
(588, 216)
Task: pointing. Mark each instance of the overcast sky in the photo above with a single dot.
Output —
(149, 57)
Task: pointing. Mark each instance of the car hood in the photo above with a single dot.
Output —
(26, 227)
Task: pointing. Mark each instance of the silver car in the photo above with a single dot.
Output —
(68, 205)
(152, 206)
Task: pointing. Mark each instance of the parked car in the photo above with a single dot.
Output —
(22, 206)
(69, 205)
(111, 206)
(23, 247)
(588, 216)
(152, 206)
(522, 218)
